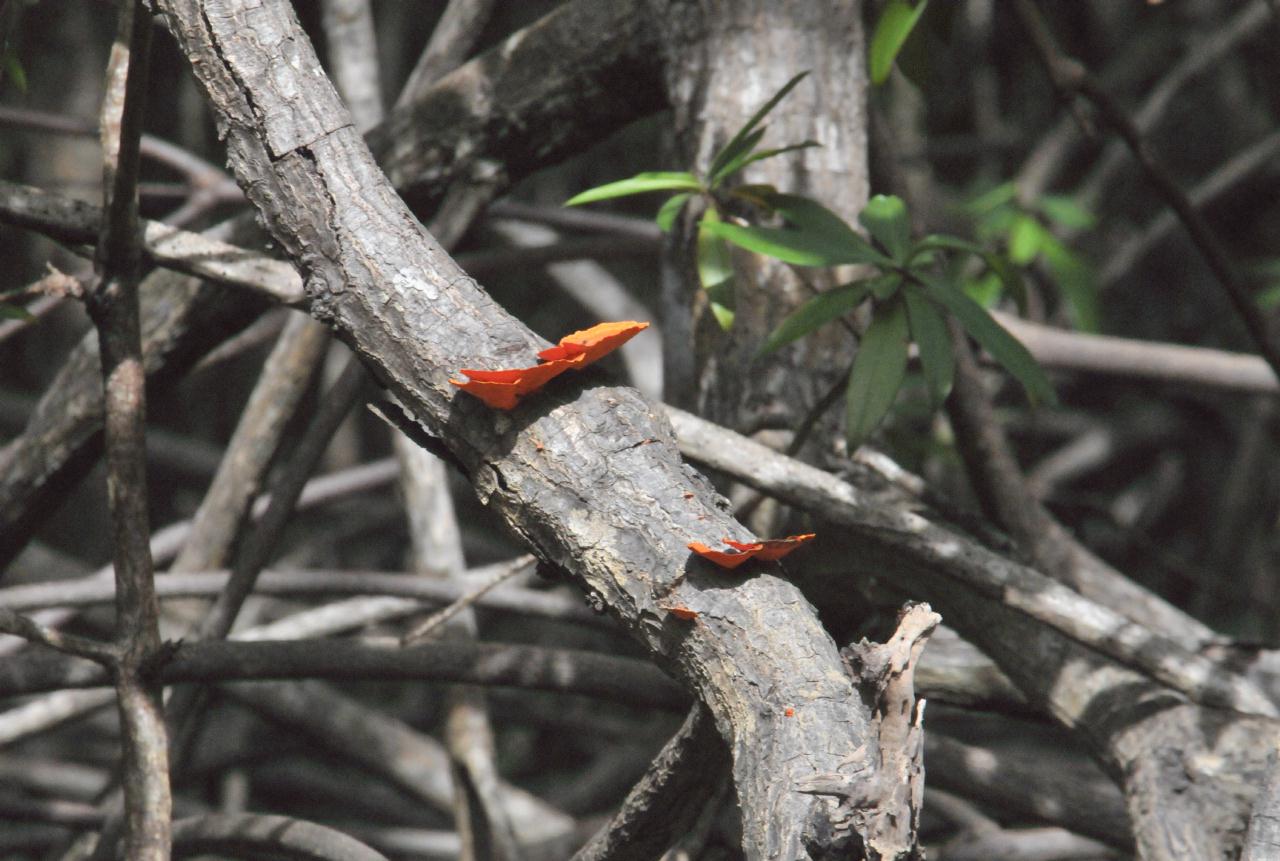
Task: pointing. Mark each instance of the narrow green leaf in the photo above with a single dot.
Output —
(734, 146)
(1268, 297)
(13, 68)
(714, 263)
(929, 331)
(715, 270)
(1002, 346)
(723, 304)
(1009, 275)
(1077, 282)
(735, 158)
(884, 286)
(666, 216)
(1026, 238)
(1066, 212)
(943, 242)
(749, 157)
(810, 216)
(15, 312)
(885, 217)
(986, 289)
(988, 201)
(896, 23)
(638, 184)
(818, 311)
(757, 194)
(877, 372)
(798, 247)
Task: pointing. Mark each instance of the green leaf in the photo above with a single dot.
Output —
(749, 157)
(991, 200)
(666, 216)
(1002, 346)
(715, 269)
(798, 247)
(638, 184)
(942, 242)
(929, 331)
(885, 217)
(13, 68)
(810, 216)
(1026, 238)
(1268, 297)
(818, 311)
(1077, 282)
(735, 147)
(877, 372)
(735, 158)
(723, 304)
(741, 152)
(15, 312)
(985, 289)
(714, 263)
(1009, 276)
(884, 286)
(1066, 212)
(896, 23)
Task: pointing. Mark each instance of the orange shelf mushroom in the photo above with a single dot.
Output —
(768, 551)
(502, 389)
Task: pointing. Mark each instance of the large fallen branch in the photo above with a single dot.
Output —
(589, 475)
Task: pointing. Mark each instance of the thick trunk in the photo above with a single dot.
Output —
(725, 59)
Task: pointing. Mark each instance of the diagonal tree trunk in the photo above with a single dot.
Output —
(588, 474)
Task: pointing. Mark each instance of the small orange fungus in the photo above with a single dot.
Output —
(768, 551)
(723, 558)
(502, 389)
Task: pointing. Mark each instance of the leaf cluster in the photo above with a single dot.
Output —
(1026, 231)
(913, 285)
(715, 269)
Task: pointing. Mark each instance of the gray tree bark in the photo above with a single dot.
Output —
(588, 474)
(725, 58)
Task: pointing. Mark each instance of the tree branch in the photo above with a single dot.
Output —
(1070, 77)
(407, 310)
(622, 680)
(113, 305)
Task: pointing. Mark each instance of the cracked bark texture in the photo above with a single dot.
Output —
(588, 474)
(725, 58)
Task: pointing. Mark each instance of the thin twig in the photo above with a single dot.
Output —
(455, 34)
(424, 629)
(1234, 170)
(84, 647)
(113, 305)
(261, 543)
(668, 800)
(1071, 78)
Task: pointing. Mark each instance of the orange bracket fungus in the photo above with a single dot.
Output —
(682, 613)
(768, 551)
(502, 389)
